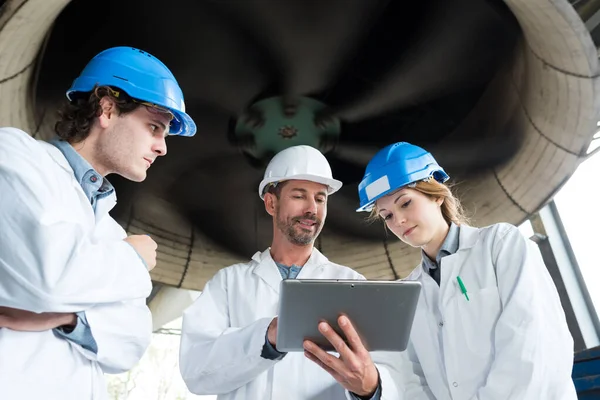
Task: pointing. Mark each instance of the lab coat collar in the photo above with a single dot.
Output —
(268, 271)
(468, 236)
(58, 157)
(103, 207)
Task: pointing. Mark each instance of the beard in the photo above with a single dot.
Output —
(295, 233)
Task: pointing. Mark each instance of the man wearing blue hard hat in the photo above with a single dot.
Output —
(73, 284)
(489, 322)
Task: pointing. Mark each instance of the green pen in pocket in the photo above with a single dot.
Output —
(463, 289)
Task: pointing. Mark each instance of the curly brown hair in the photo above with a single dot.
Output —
(76, 117)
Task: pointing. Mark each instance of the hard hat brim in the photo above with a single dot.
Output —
(187, 126)
(439, 175)
(333, 185)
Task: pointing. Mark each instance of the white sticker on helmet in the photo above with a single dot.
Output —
(381, 185)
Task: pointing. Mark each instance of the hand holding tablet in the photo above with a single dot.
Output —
(381, 312)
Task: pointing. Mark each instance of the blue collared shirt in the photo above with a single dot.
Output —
(95, 187)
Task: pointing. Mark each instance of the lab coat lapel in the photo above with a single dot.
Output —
(452, 265)
(422, 336)
(103, 206)
(267, 269)
(314, 266)
(60, 159)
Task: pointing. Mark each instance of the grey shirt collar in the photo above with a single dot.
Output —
(450, 246)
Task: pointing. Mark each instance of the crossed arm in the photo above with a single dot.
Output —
(27, 321)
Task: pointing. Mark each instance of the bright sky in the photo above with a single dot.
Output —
(578, 204)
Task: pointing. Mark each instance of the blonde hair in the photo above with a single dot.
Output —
(451, 208)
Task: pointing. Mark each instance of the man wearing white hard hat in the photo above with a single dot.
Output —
(228, 342)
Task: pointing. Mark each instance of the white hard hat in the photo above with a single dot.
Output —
(302, 163)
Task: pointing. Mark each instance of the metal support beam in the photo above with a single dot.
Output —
(589, 11)
(550, 261)
(560, 260)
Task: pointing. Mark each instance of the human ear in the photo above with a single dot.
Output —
(107, 111)
(270, 203)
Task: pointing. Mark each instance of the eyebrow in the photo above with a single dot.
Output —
(162, 125)
(395, 201)
(321, 193)
(398, 198)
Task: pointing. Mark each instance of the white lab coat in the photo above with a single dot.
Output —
(510, 341)
(224, 333)
(57, 256)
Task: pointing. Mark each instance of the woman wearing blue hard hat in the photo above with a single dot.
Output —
(74, 284)
(489, 322)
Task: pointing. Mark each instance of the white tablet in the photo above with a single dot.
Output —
(382, 312)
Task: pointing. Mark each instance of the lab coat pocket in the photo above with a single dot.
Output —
(478, 317)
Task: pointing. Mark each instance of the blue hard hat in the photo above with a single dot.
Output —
(394, 167)
(143, 77)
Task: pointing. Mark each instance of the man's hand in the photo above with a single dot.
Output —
(272, 332)
(146, 248)
(354, 369)
(27, 321)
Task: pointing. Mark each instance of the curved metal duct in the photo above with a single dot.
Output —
(503, 93)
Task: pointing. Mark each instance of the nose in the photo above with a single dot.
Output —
(399, 218)
(311, 206)
(160, 147)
